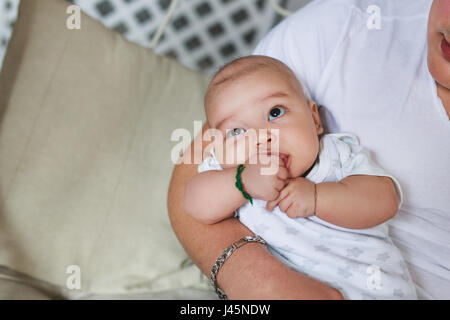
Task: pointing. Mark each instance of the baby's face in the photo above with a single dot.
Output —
(266, 99)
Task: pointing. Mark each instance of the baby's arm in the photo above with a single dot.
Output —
(211, 196)
(357, 201)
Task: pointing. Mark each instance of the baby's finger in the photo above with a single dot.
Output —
(282, 173)
(285, 182)
(285, 203)
(283, 194)
(279, 184)
(292, 211)
(273, 203)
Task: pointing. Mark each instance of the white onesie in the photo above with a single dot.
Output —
(360, 263)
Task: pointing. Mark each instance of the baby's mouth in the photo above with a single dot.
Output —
(284, 158)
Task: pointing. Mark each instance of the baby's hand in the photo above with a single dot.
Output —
(297, 199)
(263, 186)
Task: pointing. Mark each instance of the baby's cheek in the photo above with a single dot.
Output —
(241, 149)
(231, 152)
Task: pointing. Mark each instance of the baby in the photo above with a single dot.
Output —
(323, 211)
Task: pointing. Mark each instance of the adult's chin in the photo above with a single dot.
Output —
(439, 42)
(438, 65)
(439, 72)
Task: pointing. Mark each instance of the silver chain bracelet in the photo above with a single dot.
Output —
(224, 256)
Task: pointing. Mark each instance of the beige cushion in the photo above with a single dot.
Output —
(85, 155)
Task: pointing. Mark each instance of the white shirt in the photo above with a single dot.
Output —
(375, 83)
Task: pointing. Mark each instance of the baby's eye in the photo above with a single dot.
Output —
(235, 132)
(276, 112)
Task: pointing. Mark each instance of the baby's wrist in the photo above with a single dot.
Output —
(239, 183)
(319, 198)
(237, 194)
(315, 199)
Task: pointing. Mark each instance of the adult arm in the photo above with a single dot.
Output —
(251, 272)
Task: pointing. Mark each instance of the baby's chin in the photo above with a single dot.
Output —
(296, 171)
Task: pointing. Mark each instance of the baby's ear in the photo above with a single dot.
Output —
(313, 106)
(316, 117)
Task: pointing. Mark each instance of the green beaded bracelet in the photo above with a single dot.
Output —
(238, 183)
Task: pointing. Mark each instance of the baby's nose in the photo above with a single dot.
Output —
(267, 137)
(264, 142)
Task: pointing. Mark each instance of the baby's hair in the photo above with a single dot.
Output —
(229, 72)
